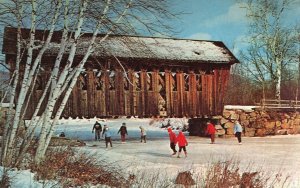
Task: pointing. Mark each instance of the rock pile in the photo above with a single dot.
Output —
(261, 123)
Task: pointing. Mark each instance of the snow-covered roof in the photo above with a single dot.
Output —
(157, 48)
(133, 47)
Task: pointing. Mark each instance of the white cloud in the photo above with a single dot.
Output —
(240, 43)
(200, 36)
(235, 14)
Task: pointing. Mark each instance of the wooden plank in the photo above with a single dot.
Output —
(203, 94)
(210, 94)
(168, 89)
(90, 92)
(75, 104)
(180, 91)
(155, 82)
(143, 97)
(132, 87)
(83, 104)
(119, 82)
(106, 92)
(192, 93)
(199, 94)
(112, 102)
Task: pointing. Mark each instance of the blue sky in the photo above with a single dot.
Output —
(222, 20)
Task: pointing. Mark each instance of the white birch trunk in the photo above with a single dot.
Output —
(22, 94)
(30, 74)
(57, 90)
(278, 82)
(73, 76)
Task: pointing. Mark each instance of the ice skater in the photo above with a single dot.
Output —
(143, 134)
(182, 143)
(173, 140)
(211, 131)
(238, 129)
(98, 129)
(107, 135)
(123, 132)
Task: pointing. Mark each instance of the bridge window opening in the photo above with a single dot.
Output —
(174, 82)
(186, 82)
(112, 79)
(162, 92)
(126, 81)
(149, 81)
(83, 81)
(137, 81)
(98, 80)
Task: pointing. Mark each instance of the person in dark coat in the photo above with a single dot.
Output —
(98, 129)
(211, 131)
(173, 140)
(62, 134)
(123, 132)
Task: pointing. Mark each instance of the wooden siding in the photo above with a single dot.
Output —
(143, 93)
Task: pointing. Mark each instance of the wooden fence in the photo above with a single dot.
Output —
(279, 104)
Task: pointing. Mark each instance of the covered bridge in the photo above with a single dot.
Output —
(139, 76)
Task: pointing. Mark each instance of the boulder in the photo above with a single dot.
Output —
(243, 117)
(265, 115)
(226, 113)
(249, 132)
(252, 119)
(259, 124)
(229, 128)
(282, 132)
(260, 132)
(278, 123)
(296, 122)
(297, 130)
(253, 114)
(245, 123)
(270, 124)
(234, 117)
(291, 131)
(285, 125)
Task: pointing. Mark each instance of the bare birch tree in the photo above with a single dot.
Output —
(271, 42)
(71, 18)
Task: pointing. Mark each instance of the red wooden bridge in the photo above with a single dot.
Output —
(139, 76)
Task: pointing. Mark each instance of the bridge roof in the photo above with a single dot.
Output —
(132, 47)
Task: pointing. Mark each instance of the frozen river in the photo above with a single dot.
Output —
(274, 154)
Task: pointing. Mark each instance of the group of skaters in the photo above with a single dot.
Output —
(210, 130)
(237, 130)
(180, 139)
(106, 133)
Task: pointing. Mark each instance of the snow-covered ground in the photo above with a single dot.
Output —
(276, 154)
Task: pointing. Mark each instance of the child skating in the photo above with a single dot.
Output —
(182, 143)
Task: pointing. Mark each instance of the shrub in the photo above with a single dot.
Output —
(73, 169)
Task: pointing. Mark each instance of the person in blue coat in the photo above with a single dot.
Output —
(107, 134)
(238, 129)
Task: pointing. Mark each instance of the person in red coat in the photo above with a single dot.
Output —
(173, 140)
(182, 143)
(211, 131)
